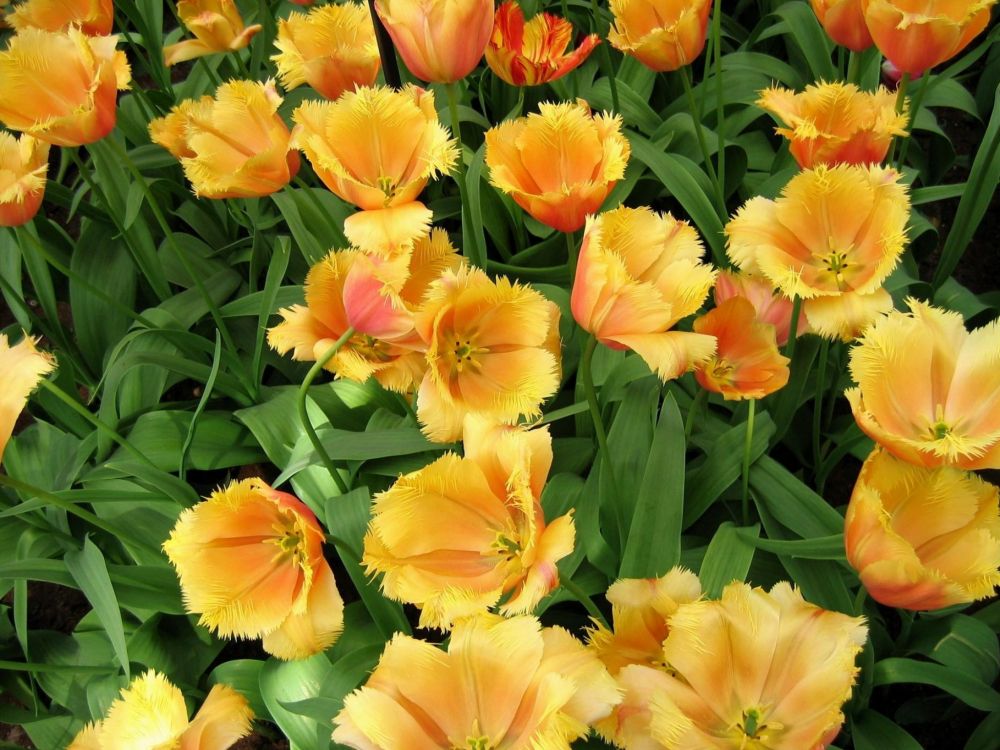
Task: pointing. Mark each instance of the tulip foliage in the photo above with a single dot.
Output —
(515, 375)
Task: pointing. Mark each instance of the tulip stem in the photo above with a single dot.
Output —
(304, 414)
(456, 124)
(386, 52)
(793, 329)
(720, 109)
(745, 473)
(595, 409)
(904, 84)
(581, 596)
(696, 406)
(720, 202)
(854, 67)
(859, 600)
(824, 351)
(571, 252)
(606, 62)
(916, 102)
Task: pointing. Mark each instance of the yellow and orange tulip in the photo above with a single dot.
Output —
(23, 367)
(560, 164)
(93, 17)
(463, 535)
(217, 26)
(74, 108)
(151, 713)
(844, 23)
(929, 390)
(250, 562)
(923, 538)
(639, 273)
(746, 363)
(492, 350)
(532, 53)
(662, 34)
(832, 238)
(836, 123)
(332, 48)
(769, 305)
(508, 684)
(24, 163)
(441, 41)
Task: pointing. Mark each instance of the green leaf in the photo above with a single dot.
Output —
(243, 675)
(90, 572)
(872, 731)
(967, 689)
(961, 642)
(727, 559)
(819, 548)
(801, 25)
(286, 682)
(791, 502)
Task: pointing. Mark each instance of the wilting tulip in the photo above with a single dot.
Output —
(915, 38)
(376, 148)
(492, 349)
(532, 53)
(923, 538)
(93, 17)
(233, 146)
(250, 562)
(508, 684)
(836, 122)
(440, 41)
(639, 273)
(24, 163)
(754, 669)
(332, 48)
(23, 367)
(928, 390)
(640, 608)
(844, 22)
(746, 363)
(73, 108)
(151, 713)
(460, 535)
(378, 298)
(560, 164)
(832, 238)
(661, 34)
(770, 306)
(217, 26)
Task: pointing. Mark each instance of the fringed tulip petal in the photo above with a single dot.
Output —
(844, 22)
(23, 367)
(769, 305)
(388, 231)
(149, 714)
(662, 34)
(217, 27)
(846, 316)
(88, 738)
(629, 726)
(24, 164)
(94, 17)
(222, 720)
(315, 629)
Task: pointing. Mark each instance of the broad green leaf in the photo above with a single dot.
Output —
(243, 675)
(727, 559)
(968, 689)
(873, 731)
(90, 572)
(286, 682)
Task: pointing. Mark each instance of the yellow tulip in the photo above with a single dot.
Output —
(662, 34)
(93, 17)
(844, 22)
(23, 367)
(24, 163)
(217, 26)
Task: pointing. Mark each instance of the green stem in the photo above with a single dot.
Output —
(720, 110)
(451, 89)
(916, 102)
(817, 424)
(314, 200)
(213, 77)
(696, 406)
(571, 254)
(595, 409)
(793, 328)
(304, 414)
(745, 473)
(859, 600)
(720, 202)
(408, 408)
(854, 68)
(904, 84)
(581, 596)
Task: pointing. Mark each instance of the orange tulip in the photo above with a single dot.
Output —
(332, 48)
(832, 238)
(233, 146)
(376, 148)
(639, 273)
(661, 34)
(93, 17)
(151, 713)
(923, 538)
(73, 108)
(836, 122)
(23, 367)
(508, 684)
(440, 41)
(928, 390)
(250, 562)
(492, 349)
(916, 36)
(24, 163)
(558, 165)
(844, 22)
(746, 363)
(532, 53)
(769, 305)
(463, 535)
(217, 26)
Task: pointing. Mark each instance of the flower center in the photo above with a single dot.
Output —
(464, 354)
(836, 264)
(940, 429)
(754, 733)
(722, 371)
(372, 349)
(289, 536)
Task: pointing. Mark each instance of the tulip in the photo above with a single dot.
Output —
(24, 163)
(23, 367)
(233, 146)
(492, 349)
(508, 684)
(151, 713)
(250, 562)
(441, 41)
(836, 123)
(376, 148)
(928, 390)
(532, 53)
(915, 38)
(662, 34)
(73, 108)
(93, 17)
(832, 238)
(844, 22)
(923, 538)
(332, 48)
(217, 26)
(769, 306)
(639, 273)
(558, 165)
(746, 363)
